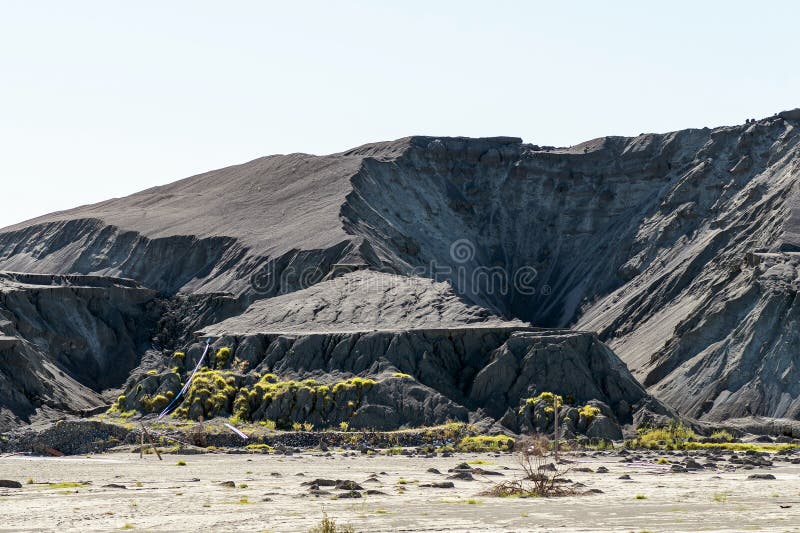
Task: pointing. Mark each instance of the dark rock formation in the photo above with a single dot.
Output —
(417, 376)
(64, 340)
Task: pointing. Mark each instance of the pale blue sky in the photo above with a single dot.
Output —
(105, 98)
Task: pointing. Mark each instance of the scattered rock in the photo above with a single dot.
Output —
(482, 472)
(349, 494)
(320, 482)
(9, 484)
(439, 485)
(761, 476)
(346, 484)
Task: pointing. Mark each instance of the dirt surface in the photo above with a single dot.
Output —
(269, 495)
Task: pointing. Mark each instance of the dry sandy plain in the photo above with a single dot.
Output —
(269, 496)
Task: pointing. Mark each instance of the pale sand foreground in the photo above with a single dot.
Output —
(189, 498)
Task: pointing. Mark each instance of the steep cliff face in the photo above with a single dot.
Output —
(660, 243)
(66, 340)
(702, 320)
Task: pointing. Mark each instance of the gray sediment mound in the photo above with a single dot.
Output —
(437, 258)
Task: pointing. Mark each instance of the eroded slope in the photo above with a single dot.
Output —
(648, 240)
(66, 340)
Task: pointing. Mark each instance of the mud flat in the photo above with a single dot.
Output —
(117, 490)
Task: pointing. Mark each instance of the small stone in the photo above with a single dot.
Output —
(9, 484)
(760, 476)
(482, 472)
(439, 485)
(350, 494)
(346, 484)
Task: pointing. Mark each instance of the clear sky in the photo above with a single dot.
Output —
(104, 98)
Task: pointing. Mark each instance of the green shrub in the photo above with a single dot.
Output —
(221, 357)
(722, 436)
(156, 403)
(548, 398)
(354, 383)
(485, 443)
(263, 448)
(270, 388)
(328, 525)
(673, 436)
(213, 390)
(588, 412)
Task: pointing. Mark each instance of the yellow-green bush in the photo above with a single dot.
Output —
(673, 436)
(262, 448)
(402, 375)
(353, 384)
(213, 390)
(548, 398)
(270, 388)
(221, 357)
(157, 402)
(722, 436)
(118, 408)
(588, 412)
(485, 443)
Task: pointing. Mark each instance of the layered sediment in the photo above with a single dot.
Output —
(677, 249)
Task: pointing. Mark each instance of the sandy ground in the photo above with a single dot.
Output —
(163, 496)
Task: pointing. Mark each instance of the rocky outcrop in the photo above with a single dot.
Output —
(66, 339)
(388, 378)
